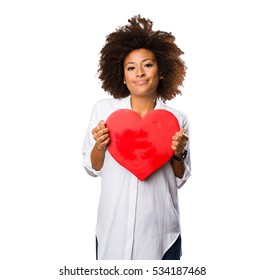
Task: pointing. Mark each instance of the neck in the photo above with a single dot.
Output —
(143, 105)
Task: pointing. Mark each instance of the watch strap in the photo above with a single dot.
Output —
(182, 157)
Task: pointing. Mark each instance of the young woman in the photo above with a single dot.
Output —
(141, 69)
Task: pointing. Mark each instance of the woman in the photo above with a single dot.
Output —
(138, 220)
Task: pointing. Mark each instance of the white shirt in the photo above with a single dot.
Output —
(137, 220)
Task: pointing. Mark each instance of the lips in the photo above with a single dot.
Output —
(141, 82)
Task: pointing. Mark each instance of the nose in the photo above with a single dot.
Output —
(140, 73)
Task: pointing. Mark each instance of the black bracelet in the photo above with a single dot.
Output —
(182, 157)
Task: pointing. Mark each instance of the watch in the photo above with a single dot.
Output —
(182, 157)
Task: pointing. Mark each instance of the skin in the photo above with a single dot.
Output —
(141, 76)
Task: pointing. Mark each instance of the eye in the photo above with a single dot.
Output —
(130, 68)
(148, 65)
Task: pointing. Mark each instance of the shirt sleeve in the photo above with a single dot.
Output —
(88, 144)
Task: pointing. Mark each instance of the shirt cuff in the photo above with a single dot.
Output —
(186, 175)
(88, 166)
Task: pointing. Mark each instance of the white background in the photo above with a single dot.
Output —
(48, 84)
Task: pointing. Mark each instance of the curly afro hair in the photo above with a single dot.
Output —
(135, 35)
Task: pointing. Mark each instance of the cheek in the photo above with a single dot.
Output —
(127, 76)
(156, 79)
(154, 74)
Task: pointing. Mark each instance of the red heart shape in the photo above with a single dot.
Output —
(141, 145)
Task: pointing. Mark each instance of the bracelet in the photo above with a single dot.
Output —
(182, 157)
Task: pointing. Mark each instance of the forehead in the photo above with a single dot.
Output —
(139, 54)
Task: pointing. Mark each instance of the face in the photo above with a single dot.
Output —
(141, 73)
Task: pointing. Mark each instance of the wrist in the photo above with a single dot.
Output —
(180, 157)
(101, 148)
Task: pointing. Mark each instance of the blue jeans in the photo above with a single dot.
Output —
(173, 253)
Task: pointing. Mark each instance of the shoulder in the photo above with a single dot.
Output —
(104, 107)
(181, 116)
(104, 102)
(110, 102)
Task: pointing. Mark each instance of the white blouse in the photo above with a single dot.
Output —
(137, 220)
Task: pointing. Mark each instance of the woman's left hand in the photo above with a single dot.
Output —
(179, 141)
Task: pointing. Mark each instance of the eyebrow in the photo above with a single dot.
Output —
(142, 61)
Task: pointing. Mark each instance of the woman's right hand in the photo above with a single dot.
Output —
(101, 136)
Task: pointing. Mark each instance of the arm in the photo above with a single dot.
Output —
(101, 136)
(179, 141)
(178, 168)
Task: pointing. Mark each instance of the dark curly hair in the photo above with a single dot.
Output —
(135, 35)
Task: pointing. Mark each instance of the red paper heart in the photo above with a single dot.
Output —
(141, 145)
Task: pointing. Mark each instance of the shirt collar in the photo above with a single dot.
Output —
(126, 103)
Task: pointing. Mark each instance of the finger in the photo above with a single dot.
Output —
(101, 124)
(179, 133)
(104, 144)
(180, 136)
(179, 140)
(185, 136)
(175, 143)
(96, 130)
(98, 133)
(101, 132)
(177, 149)
(102, 138)
(179, 145)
